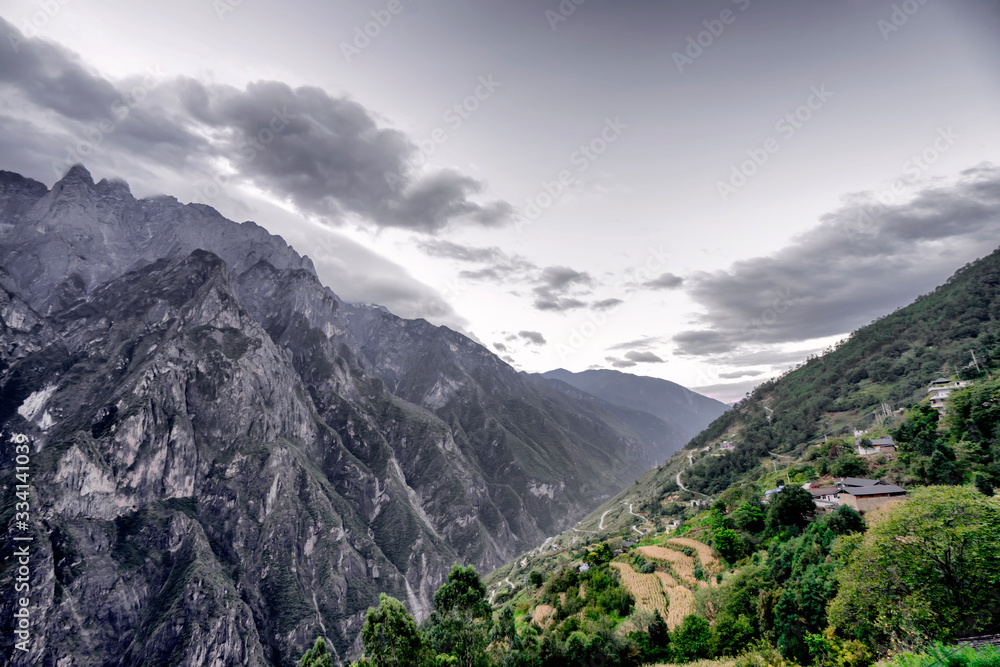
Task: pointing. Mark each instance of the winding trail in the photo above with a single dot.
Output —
(601, 527)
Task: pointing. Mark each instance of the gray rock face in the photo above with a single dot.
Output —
(228, 460)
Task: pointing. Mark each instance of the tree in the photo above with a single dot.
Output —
(983, 485)
(792, 507)
(317, 656)
(749, 517)
(535, 578)
(849, 465)
(602, 553)
(845, 520)
(659, 636)
(462, 617)
(729, 544)
(691, 640)
(930, 570)
(390, 636)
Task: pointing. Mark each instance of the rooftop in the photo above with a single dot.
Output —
(857, 481)
(880, 490)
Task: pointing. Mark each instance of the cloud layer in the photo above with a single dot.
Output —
(861, 262)
(327, 155)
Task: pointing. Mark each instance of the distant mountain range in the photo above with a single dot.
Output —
(665, 414)
(228, 460)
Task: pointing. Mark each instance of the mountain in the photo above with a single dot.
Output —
(227, 460)
(683, 412)
(951, 332)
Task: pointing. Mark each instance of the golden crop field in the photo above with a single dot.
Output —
(682, 565)
(681, 600)
(543, 614)
(645, 588)
(709, 561)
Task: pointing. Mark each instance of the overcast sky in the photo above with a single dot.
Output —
(700, 191)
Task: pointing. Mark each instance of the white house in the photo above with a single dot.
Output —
(941, 389)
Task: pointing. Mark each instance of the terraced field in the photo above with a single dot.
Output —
(543, 615)
(681, 600)
(646, 589)
(709, 561)
(681, 564)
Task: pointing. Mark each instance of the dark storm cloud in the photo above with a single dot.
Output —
(563, 277)
(740, 374)
(532, 337)
(501, 267)
(639, 343)
(634, 358)
(327, 155)
(644, 357)
(557, 289)
(664, 281)
(861, 262)
(620, 363)
(606, 304)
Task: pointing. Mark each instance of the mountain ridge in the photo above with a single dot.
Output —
(197, 401)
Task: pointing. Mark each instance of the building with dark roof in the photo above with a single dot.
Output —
(866, 498)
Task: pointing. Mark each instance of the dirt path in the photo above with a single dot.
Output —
(601, 527)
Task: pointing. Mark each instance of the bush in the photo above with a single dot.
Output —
(949, 656)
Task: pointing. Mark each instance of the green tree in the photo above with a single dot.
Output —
(600, 554)
(462, 617)
(930, 570)
(849, 465)
(729, 544)
(390, 636)
(659, 636)
(535, 578)
(845, 520)
(749, 517)
(792, 507)
(692, 639)
(317, 656)
(983, 485)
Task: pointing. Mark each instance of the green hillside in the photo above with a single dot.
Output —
(891, 361)
(687, 565)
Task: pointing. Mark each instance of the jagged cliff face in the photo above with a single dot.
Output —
(228, 460)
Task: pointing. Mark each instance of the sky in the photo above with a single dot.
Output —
(705, 192)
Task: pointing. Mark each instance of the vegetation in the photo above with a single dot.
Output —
(748, 583)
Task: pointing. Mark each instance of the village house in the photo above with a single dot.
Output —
(941, 389)
(867, 498)
(878, 446)
(726, 445)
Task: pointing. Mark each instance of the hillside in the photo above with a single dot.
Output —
(891, 361)
(686, 411)
(662, 435)
(227, 457)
